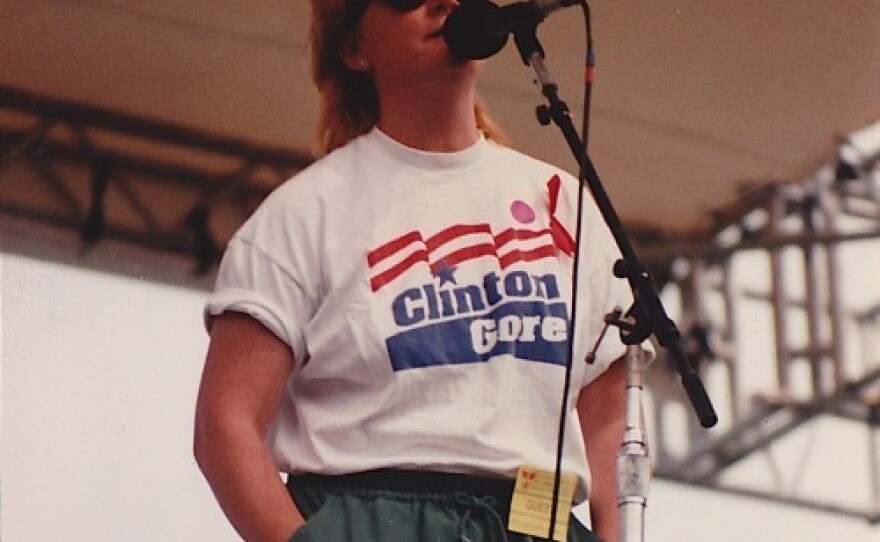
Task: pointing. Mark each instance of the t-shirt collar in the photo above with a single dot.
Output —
(426, 159)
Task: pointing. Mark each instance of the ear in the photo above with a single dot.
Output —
(353, 56)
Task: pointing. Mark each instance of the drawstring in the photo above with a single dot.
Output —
(486, 504)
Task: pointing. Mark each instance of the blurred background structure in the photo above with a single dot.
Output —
(739, 142)
(796, 263)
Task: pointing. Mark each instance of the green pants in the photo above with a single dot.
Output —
(407, 506)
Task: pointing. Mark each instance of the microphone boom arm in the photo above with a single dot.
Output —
(648, 311)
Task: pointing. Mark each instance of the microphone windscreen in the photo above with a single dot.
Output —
(468, 30)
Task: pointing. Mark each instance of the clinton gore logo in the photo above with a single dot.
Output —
(442, 322)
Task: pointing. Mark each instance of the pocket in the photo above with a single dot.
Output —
(578, 532)
(325, 524)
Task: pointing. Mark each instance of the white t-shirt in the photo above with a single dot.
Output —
(426, 299)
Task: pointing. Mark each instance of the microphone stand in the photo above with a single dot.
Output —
(646, 316)
(633, 463)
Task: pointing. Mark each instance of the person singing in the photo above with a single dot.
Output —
(389, 330)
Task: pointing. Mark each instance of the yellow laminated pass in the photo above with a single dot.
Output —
(531, 504)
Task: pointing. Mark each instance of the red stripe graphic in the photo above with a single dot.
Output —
(388, 276)
(392, 247)
(454, 232)
(511, 234)
(560, 240)
(465, 254)
(462, 255)
(516, 255)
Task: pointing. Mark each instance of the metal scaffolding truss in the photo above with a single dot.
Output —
(107, 175)
(780, 254)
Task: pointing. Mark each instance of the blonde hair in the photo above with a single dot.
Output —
(349, 103)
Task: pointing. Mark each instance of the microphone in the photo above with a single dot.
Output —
(478, 29)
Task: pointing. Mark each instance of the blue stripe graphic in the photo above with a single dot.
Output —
(532, 331)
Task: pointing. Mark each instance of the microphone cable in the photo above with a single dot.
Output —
(589, 73)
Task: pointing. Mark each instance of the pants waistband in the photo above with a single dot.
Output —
(415, 482)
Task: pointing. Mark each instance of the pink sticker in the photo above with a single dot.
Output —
(522, 212)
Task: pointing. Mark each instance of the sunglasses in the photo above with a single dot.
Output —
(358, 7)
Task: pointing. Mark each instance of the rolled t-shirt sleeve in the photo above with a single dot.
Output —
(607, 293)
(252, 282)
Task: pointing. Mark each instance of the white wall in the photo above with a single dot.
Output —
(99, 377)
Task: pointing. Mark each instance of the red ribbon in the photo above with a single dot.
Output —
(561, 238)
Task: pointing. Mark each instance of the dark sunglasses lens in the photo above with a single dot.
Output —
(356, 10)
(404, 5)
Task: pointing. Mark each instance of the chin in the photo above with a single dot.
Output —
(475, 66)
